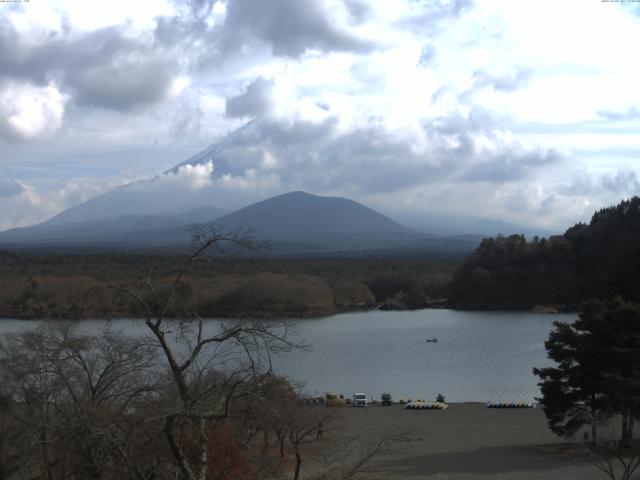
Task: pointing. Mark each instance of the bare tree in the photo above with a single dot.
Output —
(242, 350)
(29, 406)
(71, 394)
(615, 457)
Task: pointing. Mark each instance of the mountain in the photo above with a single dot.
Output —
(439, 224)
(113, 231)
(293, 223)
(169, 193)
(296, 214)
(143, 198)
(299, 221)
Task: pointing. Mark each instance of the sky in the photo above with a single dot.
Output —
(525, 111)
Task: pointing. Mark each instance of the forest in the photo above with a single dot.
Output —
(600, 259)
(63, 286)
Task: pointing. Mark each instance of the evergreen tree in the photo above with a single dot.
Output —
(597, 374)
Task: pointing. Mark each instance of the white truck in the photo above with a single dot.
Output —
(359, 400)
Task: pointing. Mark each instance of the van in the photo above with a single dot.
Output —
(359, 400)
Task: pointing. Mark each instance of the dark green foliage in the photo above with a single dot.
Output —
(598, 369)
(600, 260)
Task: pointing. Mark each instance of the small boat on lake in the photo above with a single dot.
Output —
(432, 340)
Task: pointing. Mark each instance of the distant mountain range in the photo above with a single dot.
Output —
(151, 230)
(293, 223)
(158, 213)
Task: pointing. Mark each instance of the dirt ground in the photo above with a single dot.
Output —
(467, 441)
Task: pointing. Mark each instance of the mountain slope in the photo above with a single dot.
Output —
(297, 214)
(168, 193)
(311, 222)
(122, 230)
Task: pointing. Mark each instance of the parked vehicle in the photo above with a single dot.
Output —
(359, 400)
(386, 399)
(332, 399)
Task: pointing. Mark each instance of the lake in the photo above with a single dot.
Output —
(479, 356)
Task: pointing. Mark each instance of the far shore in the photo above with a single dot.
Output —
(293, 315)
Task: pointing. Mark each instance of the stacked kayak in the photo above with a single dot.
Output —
(510, 405)
(422, 405)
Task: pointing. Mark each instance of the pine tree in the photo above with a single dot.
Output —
(597, 375)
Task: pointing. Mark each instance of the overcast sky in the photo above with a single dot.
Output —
(526, 111)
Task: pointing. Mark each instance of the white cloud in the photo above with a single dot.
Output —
(28, 112)
(32, 204)
(190, 177)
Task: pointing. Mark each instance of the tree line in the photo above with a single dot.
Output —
(596, 260)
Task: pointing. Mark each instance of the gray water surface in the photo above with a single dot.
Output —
(479, 356)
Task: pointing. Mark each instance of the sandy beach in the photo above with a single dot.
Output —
(467, 441)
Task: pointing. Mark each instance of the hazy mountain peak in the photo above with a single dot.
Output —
(300, 213)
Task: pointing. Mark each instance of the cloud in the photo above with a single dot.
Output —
(22, 205)
(290, 27)
(107, 68)
(623, 182)
(320, 157)
(256, 101)
(512, 162)
(123, 85)
(503, 82)
(427, 15)
(632, 113)
(28, 112)
(9, 188)
(427, 54)
(610, 185)
(190, 177)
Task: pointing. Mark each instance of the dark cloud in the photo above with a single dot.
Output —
(319, 157)
(101, 68)
(510, 165)
(358, 9)
(453, 137)
(110, 68)
(289, 27)
(285, 28)
(9, 188)
(254, 102)
(632, 113)
(122, 85)
(622, 182)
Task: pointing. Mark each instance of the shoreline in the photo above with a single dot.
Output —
(279, 316)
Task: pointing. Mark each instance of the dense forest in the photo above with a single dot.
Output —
(78, 286)
(599, 259)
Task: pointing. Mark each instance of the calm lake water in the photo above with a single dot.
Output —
(479, 356)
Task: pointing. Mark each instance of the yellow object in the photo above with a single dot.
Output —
(332, 399)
